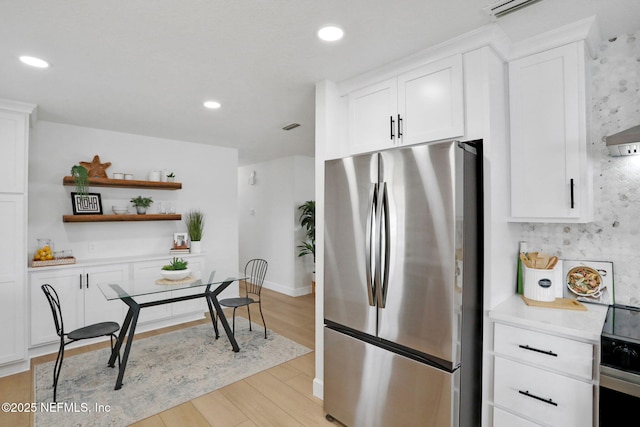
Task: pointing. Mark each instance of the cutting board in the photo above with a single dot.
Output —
(561, 303)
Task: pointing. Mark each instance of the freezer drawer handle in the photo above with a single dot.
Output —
(548, 353)
(549, 401)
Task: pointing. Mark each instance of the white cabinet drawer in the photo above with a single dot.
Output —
(549, 351)
(541, 395)
(506, 419)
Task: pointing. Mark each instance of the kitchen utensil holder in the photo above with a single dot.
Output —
(538, 284)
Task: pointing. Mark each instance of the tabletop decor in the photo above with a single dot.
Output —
(86, 204)
(194, 220)
(176, 269)
(81, 179)
(184, 355)
(95, 168)
(141, 204)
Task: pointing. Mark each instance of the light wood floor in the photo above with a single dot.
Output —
(280, 396)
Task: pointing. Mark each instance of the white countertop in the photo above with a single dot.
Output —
(584, 325)
(119, 260)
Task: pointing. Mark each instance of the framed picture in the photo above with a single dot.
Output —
(180, 241)
(88, 204)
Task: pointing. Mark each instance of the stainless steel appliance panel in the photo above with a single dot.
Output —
(366, 386)
(348, 295)
(421, 301)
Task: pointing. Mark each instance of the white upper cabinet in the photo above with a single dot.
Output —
(372, 117)
(430, 102)
(422, 105)
(13, 137)
(550, 171)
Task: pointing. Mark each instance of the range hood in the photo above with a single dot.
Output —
(625, 143)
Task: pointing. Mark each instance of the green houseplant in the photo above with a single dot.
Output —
(141, 204)
(81, 178)
(194, 220)
(308, 222)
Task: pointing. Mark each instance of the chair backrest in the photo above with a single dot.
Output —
(255, 270)
(56, 310)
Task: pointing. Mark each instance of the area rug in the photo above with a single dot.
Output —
(163, 371)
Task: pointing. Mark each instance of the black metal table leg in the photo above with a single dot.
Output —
(213, 297)
(134, 311)
(123, 333)
(212, 314)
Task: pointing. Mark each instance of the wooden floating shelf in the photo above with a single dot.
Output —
(125, 183)
(126, 217)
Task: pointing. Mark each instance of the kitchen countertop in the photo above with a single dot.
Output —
(584, 325)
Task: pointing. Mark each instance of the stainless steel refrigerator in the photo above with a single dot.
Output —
(402, 295)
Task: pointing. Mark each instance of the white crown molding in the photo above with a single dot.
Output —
(586, 29)
(21, 107)
(487, 35)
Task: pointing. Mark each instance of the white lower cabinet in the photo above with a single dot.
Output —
(81, 300)
(541, 395)
(506, 419)
(541, 379)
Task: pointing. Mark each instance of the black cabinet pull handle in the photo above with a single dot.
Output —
(80, 281)
(533, 396)
(548, 353)
(87, 280)
(572, 201)
(399, 126)
(391, 123)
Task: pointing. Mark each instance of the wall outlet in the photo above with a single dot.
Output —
(92, 247)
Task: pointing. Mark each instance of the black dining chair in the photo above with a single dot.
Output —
(255, 270)
(96, 330)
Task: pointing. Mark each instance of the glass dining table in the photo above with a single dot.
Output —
(207, 287)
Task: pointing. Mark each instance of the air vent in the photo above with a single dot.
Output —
(291, 126)
(503, 7)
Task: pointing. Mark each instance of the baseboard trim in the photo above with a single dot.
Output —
(286, 289)
(318, 388)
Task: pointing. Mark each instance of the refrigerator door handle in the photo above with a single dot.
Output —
(373, 196)
(381, 277)
(387, 245)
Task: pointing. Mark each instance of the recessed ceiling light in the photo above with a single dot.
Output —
(330, 33)
(34, 62)
(212, 104)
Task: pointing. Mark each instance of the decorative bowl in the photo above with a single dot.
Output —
(119, 210)
(175, 274)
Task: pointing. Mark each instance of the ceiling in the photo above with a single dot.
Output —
(145, 67)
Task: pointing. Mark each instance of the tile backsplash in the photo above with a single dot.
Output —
(614, 235)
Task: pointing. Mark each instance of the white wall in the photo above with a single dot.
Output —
(268, 220)
(208, 176)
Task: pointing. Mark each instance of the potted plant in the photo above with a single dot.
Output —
(308, 222)
(81, 178)
(171, 177)
(141, 204)
(176, 269)
(194, 219)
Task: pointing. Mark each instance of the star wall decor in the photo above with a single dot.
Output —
(95, 169)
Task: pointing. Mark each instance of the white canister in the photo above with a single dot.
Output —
(154, 176)
(538, 284)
